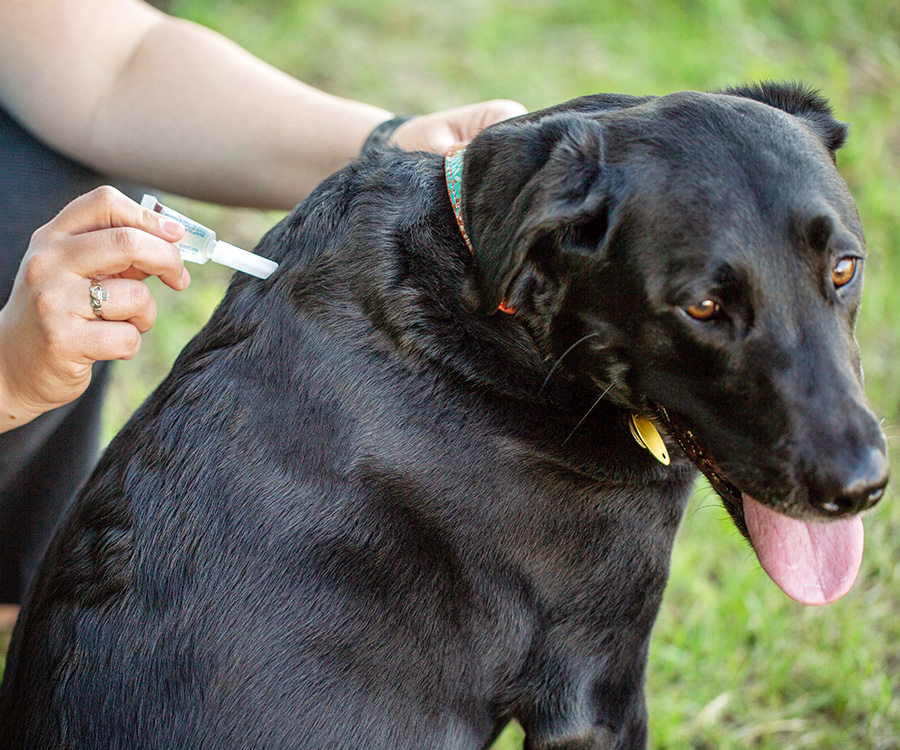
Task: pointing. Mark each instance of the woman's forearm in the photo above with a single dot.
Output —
(195, 114)
(138, 94)
(135, 93)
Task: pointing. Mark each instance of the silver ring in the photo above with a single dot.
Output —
(98, 295)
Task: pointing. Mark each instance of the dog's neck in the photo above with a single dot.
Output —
(453, 169)
(642, 429)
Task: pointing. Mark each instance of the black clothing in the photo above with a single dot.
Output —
(43, 462)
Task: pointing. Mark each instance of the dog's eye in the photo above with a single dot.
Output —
(705, 310)
(844, 271)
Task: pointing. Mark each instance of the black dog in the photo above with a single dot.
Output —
(366, 510)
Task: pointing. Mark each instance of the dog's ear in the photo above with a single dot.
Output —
(801, 101)
(522, 184)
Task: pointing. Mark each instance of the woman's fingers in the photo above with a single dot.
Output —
(105, 233)
(122, 300)
(124, 251)
(127, 251)
(105, 340)
(439, 131)
(107, 208)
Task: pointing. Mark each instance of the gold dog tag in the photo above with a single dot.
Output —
(647, 436)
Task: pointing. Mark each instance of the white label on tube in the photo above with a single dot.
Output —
(197, 242)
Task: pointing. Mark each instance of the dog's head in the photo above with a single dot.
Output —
(709, 255)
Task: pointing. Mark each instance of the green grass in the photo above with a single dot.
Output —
(733, 664)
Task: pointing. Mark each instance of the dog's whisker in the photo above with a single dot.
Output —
(562, 357)
(588, 413)
(706, 499)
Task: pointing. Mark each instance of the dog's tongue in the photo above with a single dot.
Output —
(813, 563)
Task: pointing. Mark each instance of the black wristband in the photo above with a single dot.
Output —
(381, 134)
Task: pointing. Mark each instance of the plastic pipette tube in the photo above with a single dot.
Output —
(199, 244)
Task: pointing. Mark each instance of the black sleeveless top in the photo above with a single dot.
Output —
(41, 463)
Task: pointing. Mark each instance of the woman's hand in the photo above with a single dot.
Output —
(50, 334)
(440, 130)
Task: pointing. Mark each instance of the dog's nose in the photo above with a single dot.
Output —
(857, 490)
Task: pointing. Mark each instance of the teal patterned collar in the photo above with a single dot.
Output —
(453, 168)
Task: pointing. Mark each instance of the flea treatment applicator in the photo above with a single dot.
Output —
(199, 244)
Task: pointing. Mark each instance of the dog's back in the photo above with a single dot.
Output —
(359, 514)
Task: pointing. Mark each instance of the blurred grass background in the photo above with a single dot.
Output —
(734, 664)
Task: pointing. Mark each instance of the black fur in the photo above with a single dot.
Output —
(364, 512)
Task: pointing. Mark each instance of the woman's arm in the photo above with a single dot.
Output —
(133, 92)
